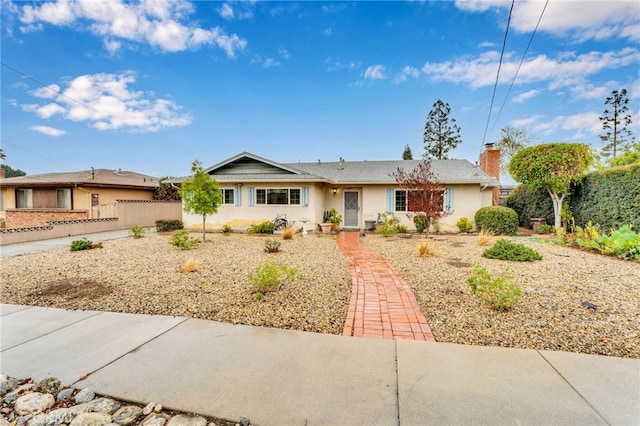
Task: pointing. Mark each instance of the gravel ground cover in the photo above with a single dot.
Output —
(549, 316)
(142, 276)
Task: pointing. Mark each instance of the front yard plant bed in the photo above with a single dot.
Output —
(549, 315)
(143, 276)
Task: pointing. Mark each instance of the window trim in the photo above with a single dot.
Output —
(225, 191)
(288, 196)
(406, 200)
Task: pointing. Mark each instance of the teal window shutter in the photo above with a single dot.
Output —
(304, 195)
(390, 199)
(448, 203)
(252, 193)
(237, 197)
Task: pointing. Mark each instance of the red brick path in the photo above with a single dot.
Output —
(382, 304)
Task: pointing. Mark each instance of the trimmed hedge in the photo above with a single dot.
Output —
(497, 219)
(610, 198)
(529, 203)
(168, 225)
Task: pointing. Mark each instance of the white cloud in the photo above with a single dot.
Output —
(333, 8)
(269, 62)
(327, 31)
(405, 74)
(47, 92)
(524, 96)
(374, 72)
(565, 70)
(526, 122)
(335, 64)
(50, 131)
(226, 11)
(582, 124)
(159, 23)
(580, 20)
(106, 102)
(284, 53)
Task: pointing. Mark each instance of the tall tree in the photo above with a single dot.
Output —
(11, 172)
(407, 154)
(615, 121)
(553, 168)
(424, 193)
(628, 157)
(511, 141)
(201, 194)
(441, 133)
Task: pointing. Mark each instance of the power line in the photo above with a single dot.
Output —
(495, 85)
(35, 153)
(28, 77)
(519, 66)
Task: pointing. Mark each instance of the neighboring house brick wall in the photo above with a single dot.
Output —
(16, 218)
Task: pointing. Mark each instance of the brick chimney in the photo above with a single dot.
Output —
(490, 164)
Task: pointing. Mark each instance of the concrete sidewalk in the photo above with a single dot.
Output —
(42, 245)
(280, 377)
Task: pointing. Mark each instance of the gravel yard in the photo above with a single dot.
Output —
(142, 276)
(549, 316)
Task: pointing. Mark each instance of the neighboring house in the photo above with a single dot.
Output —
(257, 189)
(35, 200)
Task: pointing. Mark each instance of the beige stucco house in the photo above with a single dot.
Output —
(256, 189)
(35, 200)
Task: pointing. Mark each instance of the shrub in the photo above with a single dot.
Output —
(226, 229)
(546, 229)
(428, 249)
(168, 225)
(623, 242)
(401, 229)
(265, 227)
(500, 292)
(288, 234)
(183, 241)
(421, 221)
(271, 275)
(508, 250)
(190, 265)
(271, 246)
(464, 224)
(387, 229)
(529, 203)
(497, 219)
(485, 237)
(137, 231)
(84, 244)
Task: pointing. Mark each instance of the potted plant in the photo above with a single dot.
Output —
(335, 219)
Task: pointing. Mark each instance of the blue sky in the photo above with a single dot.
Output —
(151, 86)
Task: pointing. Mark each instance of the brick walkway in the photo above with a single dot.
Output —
(382, 304)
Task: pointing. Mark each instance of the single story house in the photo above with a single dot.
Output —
(256, 189)
(35, 200)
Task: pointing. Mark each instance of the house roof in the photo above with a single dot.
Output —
(356, 172)
(93, 178)
(248, 167)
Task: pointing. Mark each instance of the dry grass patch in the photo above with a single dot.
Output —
(428, 249)
(191, 265)
(485, 238)
(288, 234)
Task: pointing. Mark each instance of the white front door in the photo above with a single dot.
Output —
(351, 209)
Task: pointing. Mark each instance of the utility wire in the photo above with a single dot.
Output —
(28, 77)
(495, 86)
(519, 66)
(4, 141)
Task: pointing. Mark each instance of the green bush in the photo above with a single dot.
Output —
(500, 292)
(271, 275)
(271, 246)
(168, 225)
(508, 250)
(421, 221)
(609, 197)
(387, 229)
(226, 229)
(546, 229)
(623, 242)
(183, 241)
(464, 224)
(528, 203)
(401, 229)
(497, 219)
(137, 231)
(265, 227)
(84, 244)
